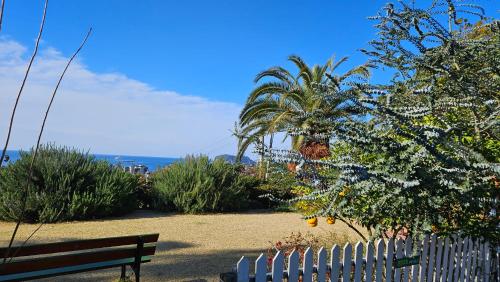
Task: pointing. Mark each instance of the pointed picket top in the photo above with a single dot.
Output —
(423, 258)
(470, 254)
(458, 259)
(451, 260)
(379, 269)
(446, 253)
(417, 246)
(277, 267)
(242, 270)
(487, 261)
(358, 261)
(432, 257)
(389, 260)
(308, 266)
(399, 254)
(475, 254)
(261, 268)
(293, 266)
(347, 262)
(441, 259)
(369, 261)
(439, 255)
(408, 253)
(463, 264)
(335, 264)
(321, 265)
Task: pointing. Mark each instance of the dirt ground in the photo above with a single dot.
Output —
(190, 247)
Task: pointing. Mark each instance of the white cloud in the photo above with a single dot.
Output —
(109, 112)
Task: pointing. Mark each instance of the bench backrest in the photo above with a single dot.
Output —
(46, 259)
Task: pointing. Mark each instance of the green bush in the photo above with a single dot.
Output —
(197, 185)
(66, 185)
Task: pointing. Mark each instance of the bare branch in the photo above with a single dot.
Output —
(30, 176)
(24, 80)
(1, 13)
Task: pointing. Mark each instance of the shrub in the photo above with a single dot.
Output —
(66, 185)
(277, 185)
(197, 185)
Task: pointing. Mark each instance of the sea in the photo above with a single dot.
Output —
(153, 163)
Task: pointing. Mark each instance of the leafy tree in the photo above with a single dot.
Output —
(427, 158)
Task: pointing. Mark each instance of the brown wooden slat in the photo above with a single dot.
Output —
(73, 259)
(77, 245)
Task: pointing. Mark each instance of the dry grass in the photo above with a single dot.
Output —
(190, 247)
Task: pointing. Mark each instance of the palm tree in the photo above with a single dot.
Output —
(284, 103)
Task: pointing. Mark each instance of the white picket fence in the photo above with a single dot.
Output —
(441, 259)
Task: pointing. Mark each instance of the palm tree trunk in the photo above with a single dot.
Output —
(261, 162)
(270, 148)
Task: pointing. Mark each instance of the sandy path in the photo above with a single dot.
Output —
(190, 248)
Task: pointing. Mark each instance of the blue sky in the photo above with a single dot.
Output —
(205, 50)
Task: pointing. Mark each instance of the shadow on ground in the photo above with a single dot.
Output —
(171, 267)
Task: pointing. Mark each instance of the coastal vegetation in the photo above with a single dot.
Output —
(196, 184)
(65, 184)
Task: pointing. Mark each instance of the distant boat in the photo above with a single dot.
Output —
(130, 167)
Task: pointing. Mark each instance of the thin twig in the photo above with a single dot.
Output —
(353, 228)
(28, 238)
(1, 13)
(24, 80)
(25, 191)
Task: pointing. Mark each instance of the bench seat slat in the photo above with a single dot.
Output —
(73, 259)
(69, 269)
(69, 246)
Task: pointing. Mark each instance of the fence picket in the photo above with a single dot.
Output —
(369, 262)
(451, 260)
(307, 266)
(347, 263)
(321, 266)
(242, 270)
(475, 253)
(441, 260)
(439, 255)
(335, 264)
(408, 253)
(469, 259)
(358, 264)
(417, 246)
(487, 261)
(399, 254)
(446, 254)
(380, 261)
(293, 266)
(463, 263)
(277, 267)
(261, 268)
(481, 260)
(424, 257)
(388, 261)
(432, 257)
(458, 259)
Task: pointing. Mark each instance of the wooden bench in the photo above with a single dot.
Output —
(54, 259)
